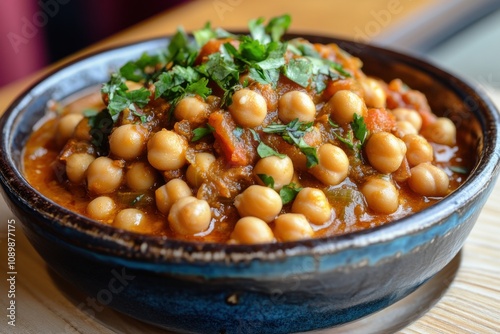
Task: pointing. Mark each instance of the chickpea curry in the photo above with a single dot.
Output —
(246, 139)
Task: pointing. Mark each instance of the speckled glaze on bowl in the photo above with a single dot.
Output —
(271, 288)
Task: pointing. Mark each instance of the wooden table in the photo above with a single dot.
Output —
(471, 302)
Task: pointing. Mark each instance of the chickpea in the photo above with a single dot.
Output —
(131, 219)
(385, 151)
(428, 180)
(197, 172)
(259, 201)
(169, 193)
(442, 131)
(251, 230)
(128, 141)
(418, 149)
(101, 208)
(66, 126)
(343, 105)
(292, 227)
(409, 115)
(140, 176)
(77, 165)
(374, 93)
(280, 169)
(296, 104)
(404, 128)
(313, 204)
(189, 216)
(249, 108)
(167, 150)
(192, 109)
(104, 175)
(333, 165)
(381, 195)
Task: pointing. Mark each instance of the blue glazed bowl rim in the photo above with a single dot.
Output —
(80, 230)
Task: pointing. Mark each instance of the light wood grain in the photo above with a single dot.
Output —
(45, 304)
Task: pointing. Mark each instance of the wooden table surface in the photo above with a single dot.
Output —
(468, 303)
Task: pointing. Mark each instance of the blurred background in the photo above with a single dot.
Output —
(460, 35)
(35, 33)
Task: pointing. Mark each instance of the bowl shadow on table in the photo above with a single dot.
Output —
(388, 320)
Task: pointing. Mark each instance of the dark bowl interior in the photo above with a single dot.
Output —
(302, 285)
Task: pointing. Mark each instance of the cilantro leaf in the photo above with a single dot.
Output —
(180, 49)
(202, 132)
(142, 68)
(266, 151)
(202, 36)
(221, 68)
(128, 99)
(289, 192)
(179, 82)
(258, 30)
(293, 133)
(278, 26)
(199, 88)
(273, 31)
(359, 127)
(358, 130)
(299, 71)
(120, 98)
(267, 180)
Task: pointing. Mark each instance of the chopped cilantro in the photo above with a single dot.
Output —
(180, 50)
(201, 132)
(255, 135)
(278, 26)
(179, 82)
(293, 133)
(272, 32)
(299, 70)
(312, 68)
(221, 68)
(202, 36)
(263, 61)
(138, 70)
(359, 127)
(266, 151)
(120, 98)
(289, 192)
(358, 130)
(267, 180)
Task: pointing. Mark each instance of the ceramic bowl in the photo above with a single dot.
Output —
(270, 288)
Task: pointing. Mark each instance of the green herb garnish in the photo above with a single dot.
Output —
(201, 132)
(289, 192)
(358, 125)
(358, 130)
(120, 98)
(293, 133)
(267, 180)
(266, 151)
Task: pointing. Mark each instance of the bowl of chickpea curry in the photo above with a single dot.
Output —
(226, 174)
